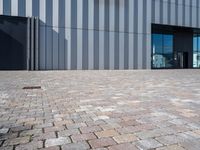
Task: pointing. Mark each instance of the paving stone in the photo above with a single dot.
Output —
(76, 126)
(63, 122)
(190, 145)
(100, 149)
(16, 141)
(51, 148)
(4, 130)
(129, 123)
(1, 142)
(171, 147)
(109, 126)
(57, 141)
(8, 136)
(100, 118)
(102, 142)
(44, 136)
(7, 148)
(187, 136)
(30, 146)
(43, 125)
(170, 139)
(125, 146)
(76, 146)
(54, 129)
(106, 133)
(90, 129)
(66, 133)
(125, 138)
(83, 137)
(31, 132)
(20, 128)
(148, 144)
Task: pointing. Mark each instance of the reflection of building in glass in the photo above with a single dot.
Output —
(196, 51)
(162, 50)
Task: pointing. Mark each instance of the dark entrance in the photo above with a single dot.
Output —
(13, 43)
(172, 47)
(183, 48)
(182, 60)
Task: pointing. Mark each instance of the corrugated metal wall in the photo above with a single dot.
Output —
(100, 34)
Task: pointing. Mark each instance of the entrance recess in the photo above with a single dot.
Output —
(13, 32)
(18, 43)
(172, 47)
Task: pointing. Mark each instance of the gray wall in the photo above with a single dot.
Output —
(101, 34)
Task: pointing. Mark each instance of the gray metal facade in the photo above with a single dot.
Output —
(100, 34)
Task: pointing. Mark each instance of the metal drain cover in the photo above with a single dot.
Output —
(31, 87)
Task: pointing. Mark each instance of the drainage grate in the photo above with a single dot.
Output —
(31, 87)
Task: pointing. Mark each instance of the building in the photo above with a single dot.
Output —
(99, 34)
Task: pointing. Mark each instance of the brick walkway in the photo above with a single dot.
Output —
(100, 110)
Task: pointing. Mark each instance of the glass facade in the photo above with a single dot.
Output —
(196, 51)
(162, 50)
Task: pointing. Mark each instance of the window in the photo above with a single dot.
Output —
(162, 51)
(196, 51)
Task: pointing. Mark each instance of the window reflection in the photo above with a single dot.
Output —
(162, 49)
(196, 51)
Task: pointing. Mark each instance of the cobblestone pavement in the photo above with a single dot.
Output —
(100, 110)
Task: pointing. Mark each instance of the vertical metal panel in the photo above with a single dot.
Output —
(187, 12)
(7, 7)
(32, 43)
(194, 13)
(121, 34)
(28, 8)
(68, 34)
(157, 11)
(36, 42)
(126, 28)
(135, 37)
(180, 13)
(116, 49)
(96, 34)
(74, 34)
(148, 32)
(61, 35)
(131, 32)
(90, 34)
(140, 35)
(28, 43)
(173, 12)
(153, 11)
(144, 43)
(131, 50)
(49, 34)
(198, 15)
(106, 36)
(35, 8)
(55, 34)
(22, 7)
(111, 34)
(1, 7)
(42, 52)
(14, 7)
(165, 12)
(85, 35)
(176, 14)
(79, 33)
(101, 32)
